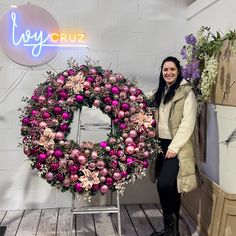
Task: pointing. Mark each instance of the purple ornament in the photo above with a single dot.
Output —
(64, 127)
(65, 115)
(145, 164)
(60, 177)
(42, 157)
(78, 187)
(26, 120)
(73, 169)
(109, 181)
(115, 103)
(79, 98)
(129, 161)
(57, 110)
(90, 79)
(95, 187)
(58, 153)
(71, 72)
(125, 106)
(54, 166)
(107, 100)
(115, 90)
(124, 173)
(46, 115)
(34, 112)
(122, 126)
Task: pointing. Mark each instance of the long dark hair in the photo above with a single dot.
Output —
(162, 83)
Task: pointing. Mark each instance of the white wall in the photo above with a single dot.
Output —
(133, 36)
(220, 167)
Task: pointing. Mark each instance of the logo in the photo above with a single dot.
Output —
(29, 35)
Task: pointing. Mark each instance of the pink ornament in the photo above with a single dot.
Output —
(92, 166)
(62, 163)
(129, 141)
(60, 81)
(74, 153)
(121, 114)
(133, 133)
(34, 112)
(107, 109)
(38, 166)
(132, 98)
(125, 135)
(104, 171)
(94, 155)
(93, 71)
(151, 134)
(132, 90)
(59, 135)
(70, 101)
(123, 158)
(117, 176)
(96, 103)
(100, 164)
(132, 110)
(146, 154)
(81, 159)
(112, 79)
(108, 86)
(57, 110)
(104, 188)
(49, 176)
(74, 177)
(97, 89)
(66, 183)
(90, 79)
(42, 125)
(123, 95)
(120, 153)
(102, 178)
(112, 140)
(115, 103)
(41, 99)
(125, 88)
(87, 84)
(141, 145)
(103, 144)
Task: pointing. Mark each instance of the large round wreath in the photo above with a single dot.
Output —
(88, 168)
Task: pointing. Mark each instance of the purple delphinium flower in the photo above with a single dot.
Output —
(190, 39)
(191, 70)
(183, 53)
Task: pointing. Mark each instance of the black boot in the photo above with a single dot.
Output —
(171, 226)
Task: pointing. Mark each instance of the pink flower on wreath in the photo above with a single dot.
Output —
(46, 139)
(89, 179)
(76, 83)
(143, 119)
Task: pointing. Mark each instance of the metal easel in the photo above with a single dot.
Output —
(115, 209)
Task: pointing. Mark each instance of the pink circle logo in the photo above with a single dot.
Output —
(27, 35)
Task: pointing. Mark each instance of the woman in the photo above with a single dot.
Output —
(177, 131)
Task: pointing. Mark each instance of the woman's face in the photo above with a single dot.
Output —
(170, 72)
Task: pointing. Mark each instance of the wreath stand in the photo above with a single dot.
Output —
(93, 209)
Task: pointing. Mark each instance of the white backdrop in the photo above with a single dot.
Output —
(132, 37)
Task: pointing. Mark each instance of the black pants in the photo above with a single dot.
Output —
(170, 199)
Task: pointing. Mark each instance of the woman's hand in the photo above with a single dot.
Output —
(170, 154)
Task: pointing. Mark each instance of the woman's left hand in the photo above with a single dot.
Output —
(170, 154)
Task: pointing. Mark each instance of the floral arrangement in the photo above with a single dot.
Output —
(200, 54)
(88, 168)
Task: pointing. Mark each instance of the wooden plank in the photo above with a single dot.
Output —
(29, 223)
(64, 222)
(154, 215)
(12, 220)
(85, 225)
(103, 225)
(139, 220)
(48, 222)
(127, 227)
(2, 214)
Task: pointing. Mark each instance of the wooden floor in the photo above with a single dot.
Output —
(136, 220)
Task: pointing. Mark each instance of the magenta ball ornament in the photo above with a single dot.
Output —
(42, 157)
(58, 153)
(124, 174)
(109, 181)
(73, 169)
(145, 164)
(78, 188)
(79, 98)
(95, 187)
(54, 166)
(129, 160)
